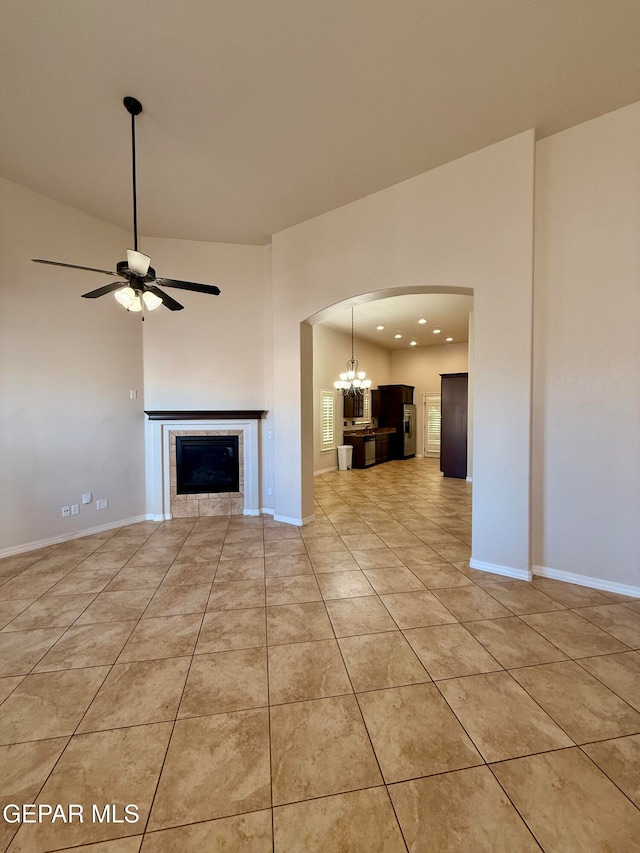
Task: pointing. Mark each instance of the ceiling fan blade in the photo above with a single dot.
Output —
(72, 266)
(137, 262)
(189, 285)
(108, 288)
(167, 300)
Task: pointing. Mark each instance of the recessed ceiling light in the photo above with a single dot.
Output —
(379, 328)
(449, 340)
(413, 343)
(422, 321)
(397, 336)
(436, 331)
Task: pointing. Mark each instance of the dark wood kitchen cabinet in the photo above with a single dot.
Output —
(393, 396)
(375, 404)
(354, 406)
(370, 447)
(453, 426)
(382, 448)
(392, 414)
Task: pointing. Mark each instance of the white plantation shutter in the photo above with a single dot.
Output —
(327, 417)
(366, 405)
(433, 418)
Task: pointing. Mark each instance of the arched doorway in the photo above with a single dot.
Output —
(466, 225)
(448, 313)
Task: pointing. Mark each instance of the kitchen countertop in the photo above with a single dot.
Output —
(361, 433)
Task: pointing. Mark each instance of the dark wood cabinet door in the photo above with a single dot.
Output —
(375, 404)
(382, 448)
(353, 406)
(453, 429)
(357, 460)
(393, 396)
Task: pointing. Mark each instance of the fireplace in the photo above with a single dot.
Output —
(165, 428)
(207, 464)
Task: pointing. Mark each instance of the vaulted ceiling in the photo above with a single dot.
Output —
(259, 114)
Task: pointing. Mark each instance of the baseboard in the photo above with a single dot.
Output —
(507, 571)
(267, 510)
(67, 537)
(298, 522)
(469, 479)
(325, 470)
(252, 512)
(585, 580)
(151, 517)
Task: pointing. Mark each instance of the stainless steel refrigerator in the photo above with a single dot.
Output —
(409, 430)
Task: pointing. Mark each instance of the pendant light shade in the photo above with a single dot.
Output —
(125, 296)
(151, 301)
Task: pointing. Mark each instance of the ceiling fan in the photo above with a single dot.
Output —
(139, 288)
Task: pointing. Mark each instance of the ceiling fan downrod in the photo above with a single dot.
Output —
(134, 108)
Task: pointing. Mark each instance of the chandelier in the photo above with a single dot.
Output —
(353, 381)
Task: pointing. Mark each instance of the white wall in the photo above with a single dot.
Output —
(211, 354)
(468, 224)
(331, 351)
(215, 354)
(67, 364)
(586, 435)
(421, 367)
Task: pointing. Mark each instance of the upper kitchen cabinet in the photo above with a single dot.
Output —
(395, 395)
(354, 406)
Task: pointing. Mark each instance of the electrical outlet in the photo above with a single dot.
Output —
(133, 394)
(75, 509)
(87, 497)
(102, 503)
(66, 511)
(269, 490)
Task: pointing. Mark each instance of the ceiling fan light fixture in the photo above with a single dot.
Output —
(125, 296)
(142, 290)
(151, 301)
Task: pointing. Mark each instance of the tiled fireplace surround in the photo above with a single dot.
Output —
(162, 428)
(213, 503)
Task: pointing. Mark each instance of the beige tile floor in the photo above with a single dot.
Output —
(349, 686)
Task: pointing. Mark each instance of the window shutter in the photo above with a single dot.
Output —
(366, 403)
(434, 417)
(327, 420)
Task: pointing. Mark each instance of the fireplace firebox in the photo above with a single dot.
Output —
(207, 464)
